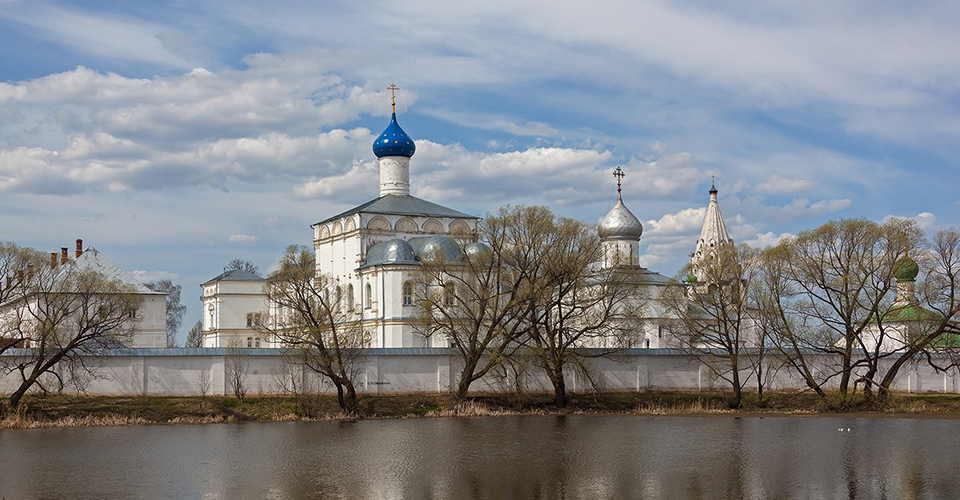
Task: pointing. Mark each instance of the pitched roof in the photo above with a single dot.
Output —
(397, 204)
(91, 259)
(714, 231)
(235, 275)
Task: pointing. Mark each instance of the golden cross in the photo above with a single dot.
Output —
(393, 96)
(618, 173)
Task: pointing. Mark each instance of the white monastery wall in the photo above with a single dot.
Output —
(178, 372)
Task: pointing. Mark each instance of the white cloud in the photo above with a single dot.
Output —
(768, 239)
(925, 220)
(686, 221)
(777, 184)
(242, 239)
(801, 207)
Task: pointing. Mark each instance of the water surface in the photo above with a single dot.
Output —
(570, 457)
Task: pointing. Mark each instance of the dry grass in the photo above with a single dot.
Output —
(59, 411)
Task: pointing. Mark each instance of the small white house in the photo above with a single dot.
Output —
(233, 305)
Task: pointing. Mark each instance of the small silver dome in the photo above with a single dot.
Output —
(395, 251)
(433, 246)
(474, 249)
(620, 223)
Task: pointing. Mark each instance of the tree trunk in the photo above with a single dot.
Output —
(559, 390)
(883, 390)
(18, 394)
(847, 369)
(351, 398)
(737, 398)
(466, 378)
(760, 379)
(340, 398)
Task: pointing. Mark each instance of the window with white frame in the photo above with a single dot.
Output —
(408, 293)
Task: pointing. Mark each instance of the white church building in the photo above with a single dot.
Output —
(371, 253)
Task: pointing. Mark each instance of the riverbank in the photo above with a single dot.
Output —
(62, 411)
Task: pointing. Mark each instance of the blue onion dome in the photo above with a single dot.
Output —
(620, 223)
(394, 141)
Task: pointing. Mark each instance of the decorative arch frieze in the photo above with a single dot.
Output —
(406, 225)
(459, 227)
(379, 224)
(433, 227)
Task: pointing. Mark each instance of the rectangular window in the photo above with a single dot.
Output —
(250, 319)
(257, 341)
(249, 341)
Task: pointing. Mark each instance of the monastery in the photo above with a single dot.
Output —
(372, 252)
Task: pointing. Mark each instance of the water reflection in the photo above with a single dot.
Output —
(490, 458)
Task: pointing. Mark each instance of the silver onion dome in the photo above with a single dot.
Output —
(620, 223)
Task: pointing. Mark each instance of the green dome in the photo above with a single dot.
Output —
(691, 278)
(907, 270)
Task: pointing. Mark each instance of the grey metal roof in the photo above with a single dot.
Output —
(396, 204)
(93, 260)
(235, 275)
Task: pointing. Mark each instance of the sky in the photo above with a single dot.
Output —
(176, 136)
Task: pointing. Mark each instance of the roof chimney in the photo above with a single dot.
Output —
(63, 255)
(79, 251)
(53, 260)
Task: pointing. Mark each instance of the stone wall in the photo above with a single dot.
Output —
(181, 372)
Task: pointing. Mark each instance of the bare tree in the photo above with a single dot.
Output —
(829, 291)
(235, 369)
(195, 335)
(243, 265)
(175, 309)
(14, 262)
(60, 314)
(929, 323)
(571, 305)
(326, 334)
(203, 382)
(713, 320)
(476, 301)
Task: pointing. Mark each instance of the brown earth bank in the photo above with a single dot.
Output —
(65, 411)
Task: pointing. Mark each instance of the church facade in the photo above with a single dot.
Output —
(371, 252)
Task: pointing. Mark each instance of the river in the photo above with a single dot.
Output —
(573, 457)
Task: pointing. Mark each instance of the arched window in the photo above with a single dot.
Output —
(449, 294)
(648, 343)
(249, 341)
(350, 297)
(408, 293)
(368, 296)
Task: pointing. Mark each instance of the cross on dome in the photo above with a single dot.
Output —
(393, 96)
(618, 173)
(393, 141)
